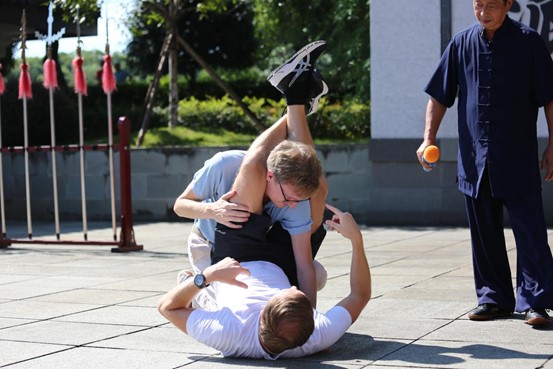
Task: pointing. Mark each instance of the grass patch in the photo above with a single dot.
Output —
(182, 136)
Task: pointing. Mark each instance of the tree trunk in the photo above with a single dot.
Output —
(173, 87)
(150, 95)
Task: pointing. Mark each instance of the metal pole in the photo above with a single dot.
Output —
(26, 153)
(54, 166)
(83, 182)
(2, 202)
(111, 169)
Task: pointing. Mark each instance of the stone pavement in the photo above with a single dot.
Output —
(85, 307)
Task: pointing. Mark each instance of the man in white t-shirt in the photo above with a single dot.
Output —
(259, 314)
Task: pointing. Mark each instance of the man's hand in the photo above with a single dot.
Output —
(344, 224)
(226, 271)
(547, 163)
(420, 152)
(228, 213)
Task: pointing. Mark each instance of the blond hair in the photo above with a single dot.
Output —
(297, 164)
(286, 322)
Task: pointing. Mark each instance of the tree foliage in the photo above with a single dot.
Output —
(241, 33)
(344, 24)
(85, 11)
(220, 31)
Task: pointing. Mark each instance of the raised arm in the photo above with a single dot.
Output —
(360, 275)
(298, 130)
(307, 279)
(250, 183)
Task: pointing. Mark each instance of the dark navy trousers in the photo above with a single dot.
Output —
(534, 265)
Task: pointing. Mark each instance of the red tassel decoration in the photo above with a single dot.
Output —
(80, 80)
(50, 75)
(108, 80)
(25, 82)
(2, 86)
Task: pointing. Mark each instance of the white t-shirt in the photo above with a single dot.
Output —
(234, 330)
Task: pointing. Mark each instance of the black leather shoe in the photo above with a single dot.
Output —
(488, 312)
(537, 317)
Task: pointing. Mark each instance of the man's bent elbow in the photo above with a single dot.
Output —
(162, 307)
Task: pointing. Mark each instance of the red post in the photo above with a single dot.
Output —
(127, 241)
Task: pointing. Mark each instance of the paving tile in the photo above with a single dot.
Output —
(494, 332)
(67, 333)
(12, 291)
(145, 302)
(12, 322)
(13, 352)
(163, 339)
(96, 296)
(125, 315)
(465, 355)
(404, 309)
(94, 358)
(150, 283)
(41, 309)
(11, 278)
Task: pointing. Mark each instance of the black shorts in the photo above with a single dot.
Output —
(257, 240)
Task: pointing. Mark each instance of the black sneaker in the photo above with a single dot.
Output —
(537, 317)
(317, 89)
(284, 76)
(488, 312)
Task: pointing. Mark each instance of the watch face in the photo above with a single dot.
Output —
(199, 280)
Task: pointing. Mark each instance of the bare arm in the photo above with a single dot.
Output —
(307, 281)
(435, 112)
(298, 130)
(251, 181)
(360, 275)
(189, 205)
(175, 304)
(547, 157)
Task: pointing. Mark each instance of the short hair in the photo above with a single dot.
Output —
(297, 164)
(286, 322)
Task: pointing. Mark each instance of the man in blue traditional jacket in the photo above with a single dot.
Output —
(502, 73)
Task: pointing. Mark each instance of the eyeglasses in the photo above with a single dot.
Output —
(285, 198)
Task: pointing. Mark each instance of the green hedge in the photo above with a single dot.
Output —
(339, 121)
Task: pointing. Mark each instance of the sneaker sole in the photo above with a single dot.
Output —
(315, 105)
(276, 76)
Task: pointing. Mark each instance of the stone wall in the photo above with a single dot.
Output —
(380, 183)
